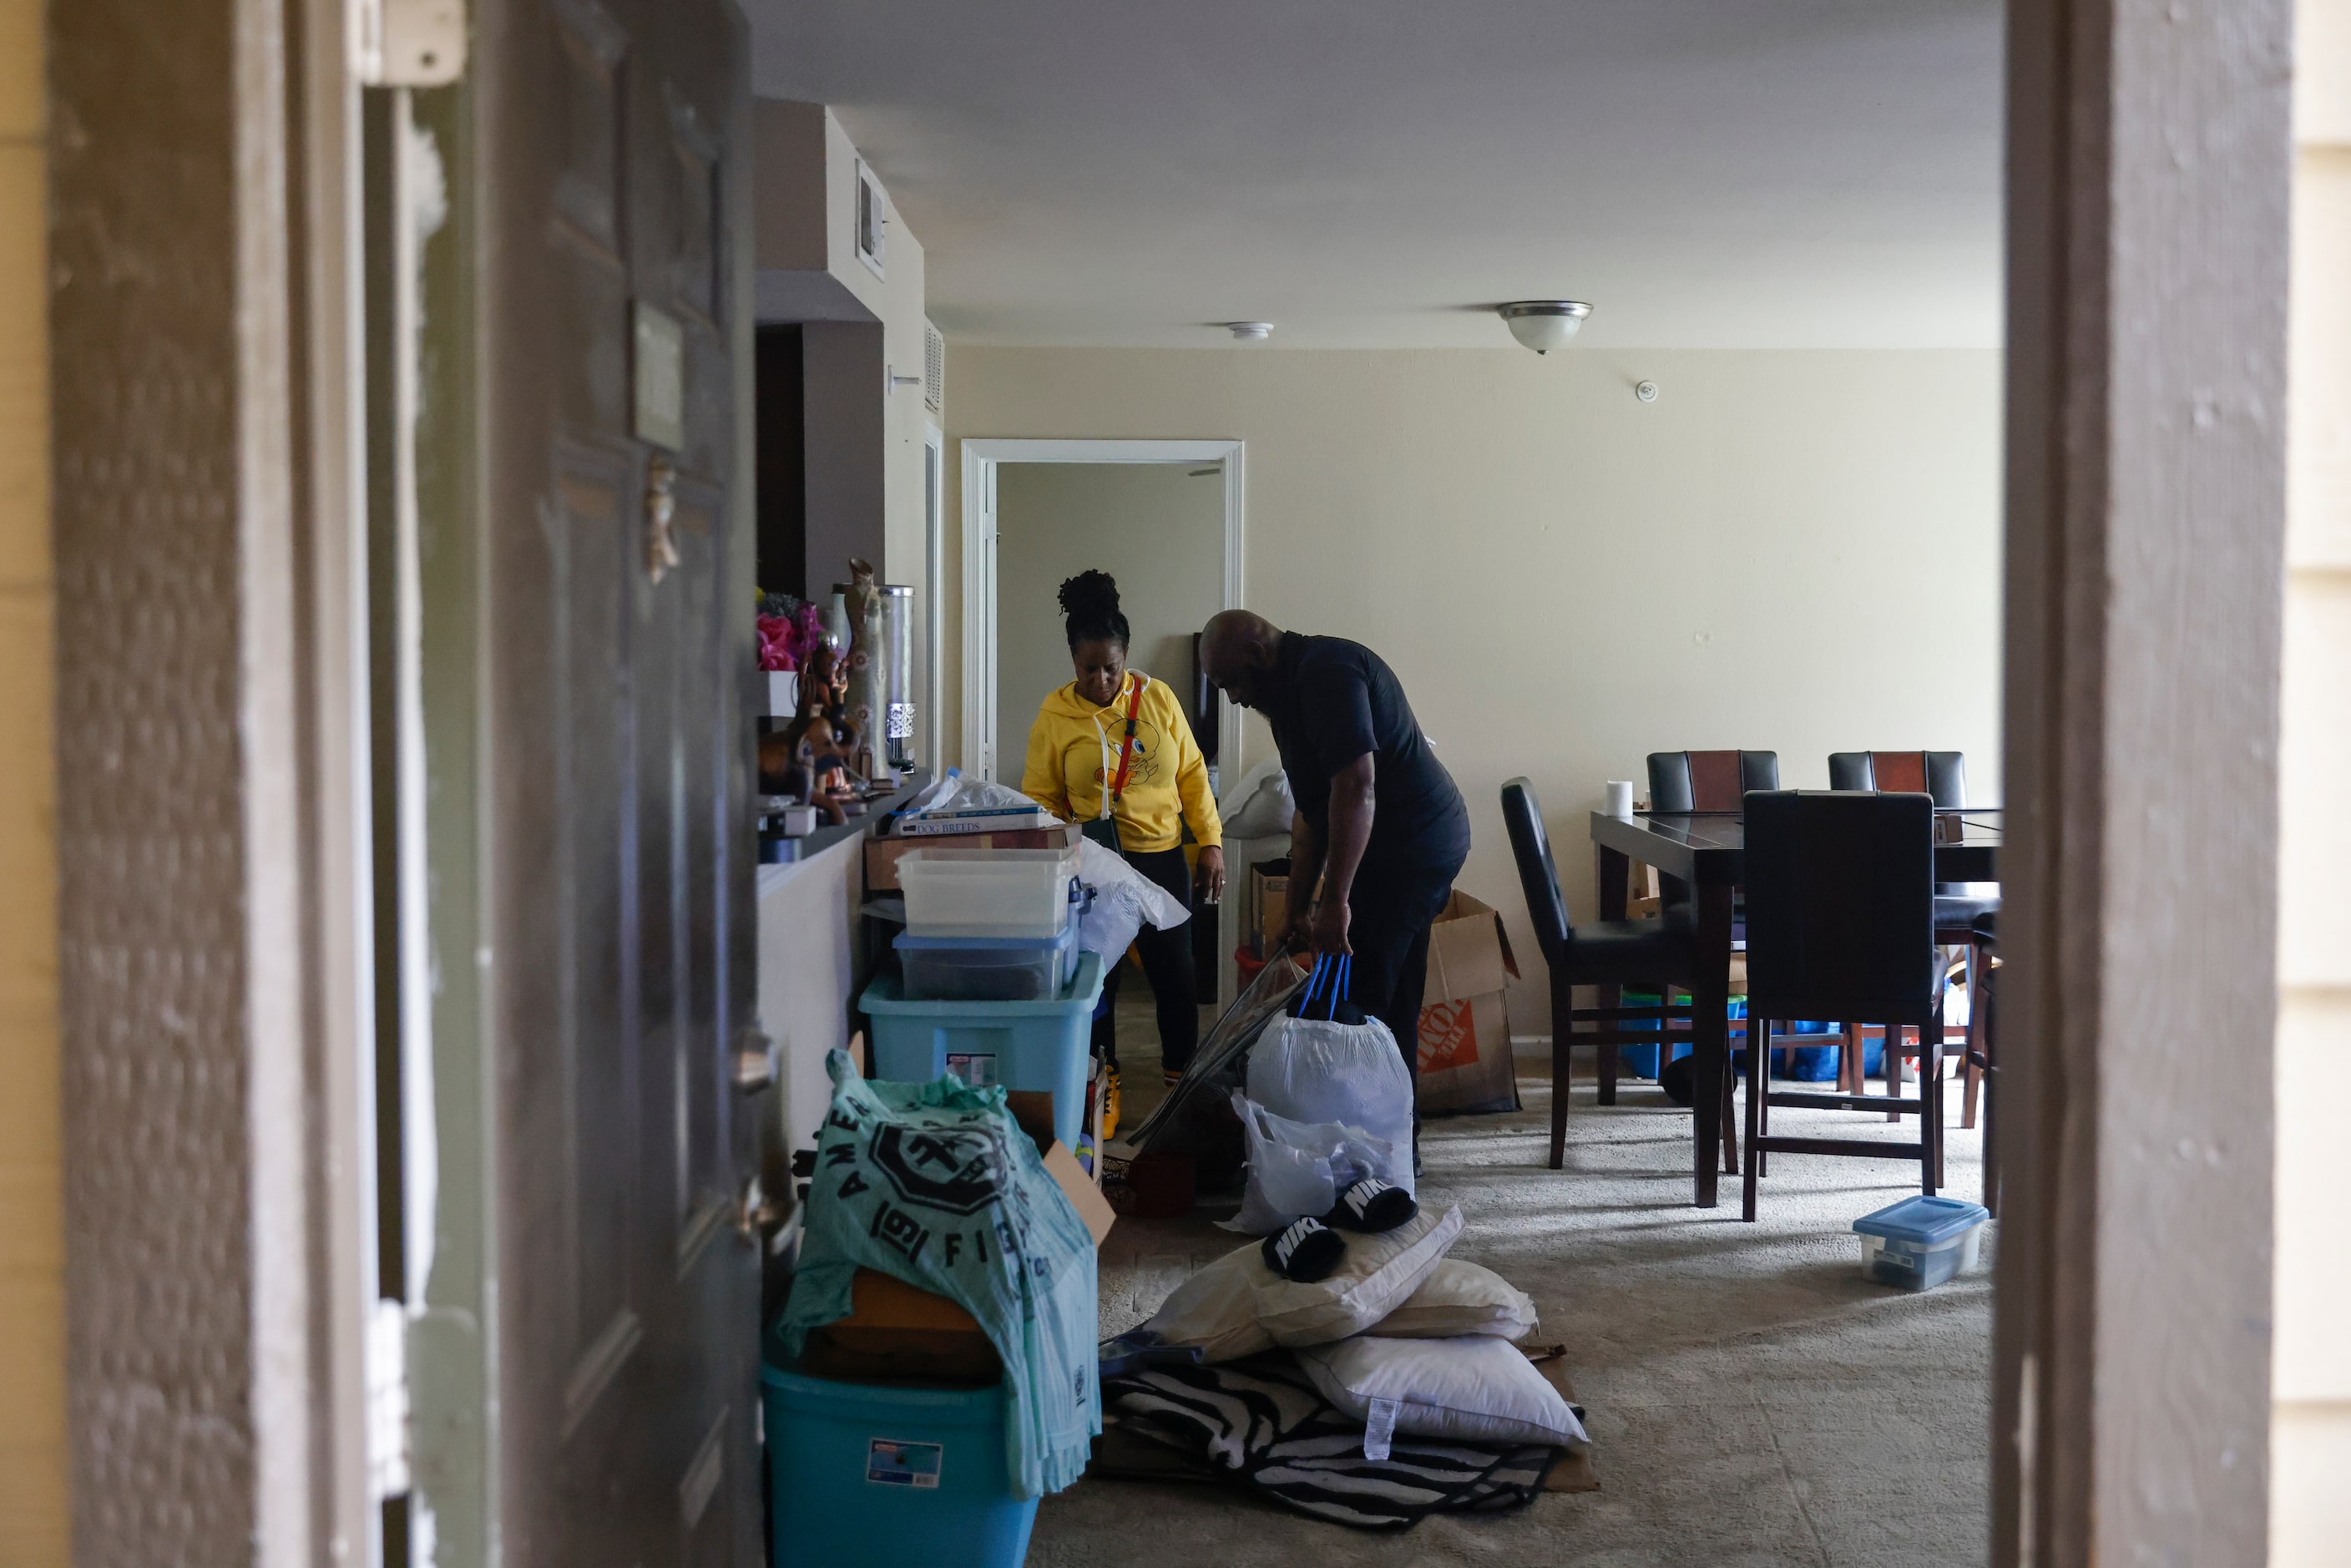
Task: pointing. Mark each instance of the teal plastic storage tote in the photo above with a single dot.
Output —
(1039, 1045)
(876, 1476)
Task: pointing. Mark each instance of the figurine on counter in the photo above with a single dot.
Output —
(837, 786)
(820, 681)
(787, 763)
(805, 762)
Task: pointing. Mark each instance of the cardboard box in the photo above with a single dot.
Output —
(1464, 1022)
(895, 1332)
(881, 855)
(900, 1333)
(1265, 906)
(1571, 1470)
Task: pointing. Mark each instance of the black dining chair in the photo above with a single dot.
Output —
(1841, 924)
(1697, 781)
(1597, 953)
(1705, 781)
(1709, 780)
(1943, 776)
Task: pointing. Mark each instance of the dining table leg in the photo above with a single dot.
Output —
(1614, 868)
(1710, 1034)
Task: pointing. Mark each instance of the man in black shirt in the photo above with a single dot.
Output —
(1379, 819)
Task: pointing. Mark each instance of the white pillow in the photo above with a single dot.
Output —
(1477, 1388)
(1461, 1298)
(1216, 1309)
(1237, 1306)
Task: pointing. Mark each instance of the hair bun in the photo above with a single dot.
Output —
(1090, 596)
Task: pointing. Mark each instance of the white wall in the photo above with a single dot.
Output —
(2310, 1442)
(1152, 526)
(1797, 551)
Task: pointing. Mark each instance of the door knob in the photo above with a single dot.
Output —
(754, 1061)
(758, 1216)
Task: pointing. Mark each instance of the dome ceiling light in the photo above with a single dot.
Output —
(1543, 325)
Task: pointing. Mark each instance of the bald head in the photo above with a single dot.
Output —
(1238, 653)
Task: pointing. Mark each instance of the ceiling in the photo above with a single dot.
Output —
(1708, 173)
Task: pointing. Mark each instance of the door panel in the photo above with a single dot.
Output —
(607, 175)
(593, 925)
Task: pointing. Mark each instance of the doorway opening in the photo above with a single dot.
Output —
(1155, 508)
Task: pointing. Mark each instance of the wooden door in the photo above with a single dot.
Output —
(585, 332)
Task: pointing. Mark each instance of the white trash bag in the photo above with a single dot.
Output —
(1318, 1069)
(1124, 901)
(1299, 1168)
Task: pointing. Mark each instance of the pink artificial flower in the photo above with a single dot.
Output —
(775, 644)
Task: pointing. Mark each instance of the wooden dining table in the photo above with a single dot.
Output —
(1707, 850)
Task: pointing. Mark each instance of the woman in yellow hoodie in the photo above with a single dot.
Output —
(1114, 746)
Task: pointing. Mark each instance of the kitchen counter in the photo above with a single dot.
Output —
(855, 830)
(812, 957)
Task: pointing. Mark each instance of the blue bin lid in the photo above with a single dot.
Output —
(907, 942)
(1922, 1221)
(884, 994)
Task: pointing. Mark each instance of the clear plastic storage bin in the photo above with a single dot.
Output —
(987, 969)
(1921, 1241)
(989, 892)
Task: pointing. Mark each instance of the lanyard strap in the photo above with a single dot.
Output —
(1126, 747)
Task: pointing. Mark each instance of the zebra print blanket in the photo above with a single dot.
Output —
(1260, 1422)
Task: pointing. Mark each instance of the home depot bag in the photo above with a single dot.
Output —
(1464, 1023)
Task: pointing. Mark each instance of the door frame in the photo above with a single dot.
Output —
(2144, 201)
(981, 457)
(217, 1109)
(2147, 191)
(931, 720)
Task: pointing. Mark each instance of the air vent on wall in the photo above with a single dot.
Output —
(935, 369)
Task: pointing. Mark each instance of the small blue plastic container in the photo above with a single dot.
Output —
(987, 969)
(1039, 1045)
(881, 1475)
(1921, 1241)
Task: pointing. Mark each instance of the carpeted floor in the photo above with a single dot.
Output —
(1751, 1399)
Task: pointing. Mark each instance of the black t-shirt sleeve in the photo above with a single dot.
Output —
(1335, 711)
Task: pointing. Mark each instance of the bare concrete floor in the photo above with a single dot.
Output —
(1752, 1398)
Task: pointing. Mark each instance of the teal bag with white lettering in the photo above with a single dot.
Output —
(937, 1185)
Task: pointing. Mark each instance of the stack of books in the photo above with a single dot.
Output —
(974, 820)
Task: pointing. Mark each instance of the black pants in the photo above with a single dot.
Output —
(1166, 964)
(1388, 916)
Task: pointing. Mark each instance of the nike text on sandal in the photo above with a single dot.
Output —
(1372, 1205)
(1305, 1251)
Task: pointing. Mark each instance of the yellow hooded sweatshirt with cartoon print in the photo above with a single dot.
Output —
(1073, 750)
